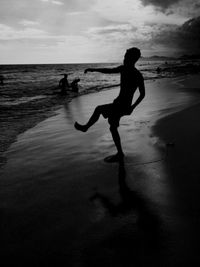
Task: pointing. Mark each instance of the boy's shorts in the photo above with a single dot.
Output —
(113, 113)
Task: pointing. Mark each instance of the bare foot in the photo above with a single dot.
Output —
(115, 158)
(79, 127)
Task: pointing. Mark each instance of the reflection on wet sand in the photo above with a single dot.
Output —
(139, 241)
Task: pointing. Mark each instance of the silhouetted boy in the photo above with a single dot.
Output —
(131, 79)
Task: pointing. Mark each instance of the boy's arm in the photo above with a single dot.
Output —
(141, 96)
(104, 70)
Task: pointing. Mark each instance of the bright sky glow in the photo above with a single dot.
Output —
(64, 31)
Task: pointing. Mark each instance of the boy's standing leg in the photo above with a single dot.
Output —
(117, 141)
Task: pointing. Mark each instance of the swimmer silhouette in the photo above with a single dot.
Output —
(64, 85)
(1, 80)
(74, 85)
(131, 79)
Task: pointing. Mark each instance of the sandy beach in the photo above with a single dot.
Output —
(60, 203)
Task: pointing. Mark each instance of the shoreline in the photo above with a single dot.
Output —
(190, 84)
(14, 121)
(181, 131)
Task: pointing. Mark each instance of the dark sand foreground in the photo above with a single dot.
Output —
(62, 205)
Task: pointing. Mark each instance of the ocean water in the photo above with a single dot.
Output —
(30, 92)
(24, 83)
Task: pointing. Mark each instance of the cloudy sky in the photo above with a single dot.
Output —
(64, 31)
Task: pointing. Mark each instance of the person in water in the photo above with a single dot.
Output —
(1, 80)
(64, 85)
(74, 85)
(131, 79)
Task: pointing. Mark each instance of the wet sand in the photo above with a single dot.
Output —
(19, 117)
(62, 204)
(182, 164)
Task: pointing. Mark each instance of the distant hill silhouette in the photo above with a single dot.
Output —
(190, 56)
(154, 57)
(183, 57)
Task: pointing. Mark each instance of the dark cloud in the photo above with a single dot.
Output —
(186, 8)
(185, 38)
(161, 4)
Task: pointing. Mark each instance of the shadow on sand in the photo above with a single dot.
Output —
(137, 240)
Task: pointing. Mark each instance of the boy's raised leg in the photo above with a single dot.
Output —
(94, 118)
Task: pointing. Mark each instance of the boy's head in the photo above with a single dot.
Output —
(132, 55)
